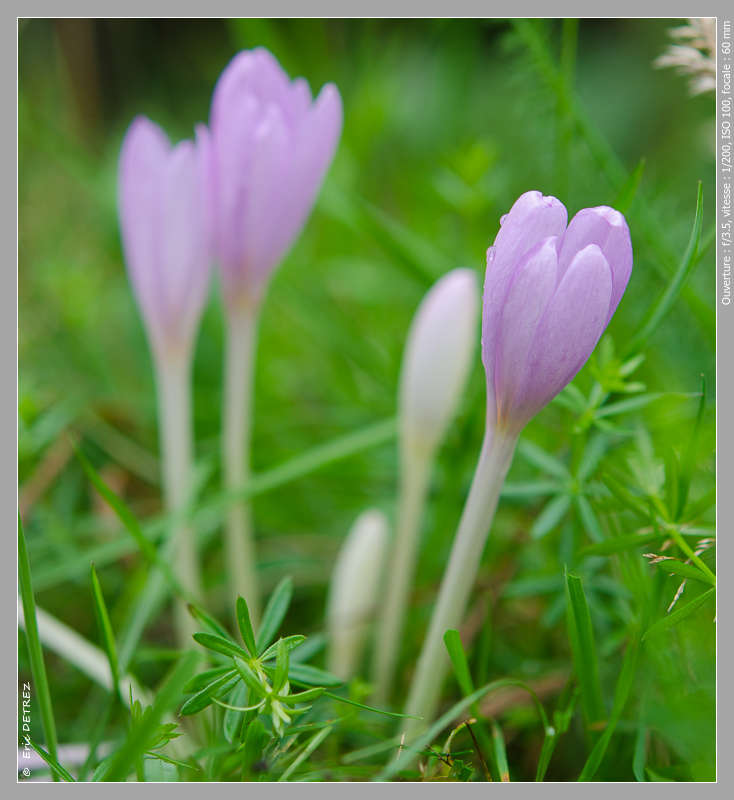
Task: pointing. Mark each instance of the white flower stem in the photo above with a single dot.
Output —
(239, 371)
(414, 476)
(459, 577)
(173, 378)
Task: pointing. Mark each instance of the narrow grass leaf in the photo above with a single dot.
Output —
(35, 653)
(621, 693)
(682, 612)
(619, 544)
(105, 629)
(683, 570)
(312, 676)
(500, 752)
(127, 518)
(56, 768)
(452, 640)
(672, 290)
(583, 650)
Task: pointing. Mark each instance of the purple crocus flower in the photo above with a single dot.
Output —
(270, 148)
(164, 233)
(549, 293)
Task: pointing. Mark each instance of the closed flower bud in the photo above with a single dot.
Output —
(164, 233)
(437, 359)
(353, 593)
(549, 293)
(271, 145)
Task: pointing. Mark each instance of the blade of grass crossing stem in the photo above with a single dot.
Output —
(412, 750)
(583, 650)
(621, 693)
(127, 518)
(35, 653)
(672, 290)
(105, 629)
(455, 649)
(139, 735)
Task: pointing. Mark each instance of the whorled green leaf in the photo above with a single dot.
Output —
(274, 613)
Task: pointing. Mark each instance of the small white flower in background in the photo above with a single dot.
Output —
(694, 53)
(355, 583)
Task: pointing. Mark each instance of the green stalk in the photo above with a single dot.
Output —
(494, 461)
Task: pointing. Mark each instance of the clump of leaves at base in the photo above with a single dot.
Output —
(255, 681)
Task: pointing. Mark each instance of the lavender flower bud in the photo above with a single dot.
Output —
(271, 145)
(163, 222)
(549, 293)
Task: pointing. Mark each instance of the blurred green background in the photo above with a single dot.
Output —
(446, 123)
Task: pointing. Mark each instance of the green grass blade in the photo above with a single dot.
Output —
(621, 693)
(35, 653)
(671, 620)
(56, 768)
(674, 567)
(138, 738)
(105, 629)
(274, 613)
(583, 649)
(364, 707)
(627, 193)
(673, 289)
(620, 544)
(410, 752)
(128, 520)
(452, 640)
(500, 752)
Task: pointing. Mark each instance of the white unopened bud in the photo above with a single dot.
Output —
(355, 583)
(437, 358)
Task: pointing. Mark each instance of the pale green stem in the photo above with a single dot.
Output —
(459, 577)
(239, 370)
(414, 476)
(173, 377)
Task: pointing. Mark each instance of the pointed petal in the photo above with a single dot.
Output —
(142, 163)
(607, 228)
(571, 326)
(531, 289)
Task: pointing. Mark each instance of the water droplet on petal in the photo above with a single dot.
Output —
(503, 218)
(490, 255)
